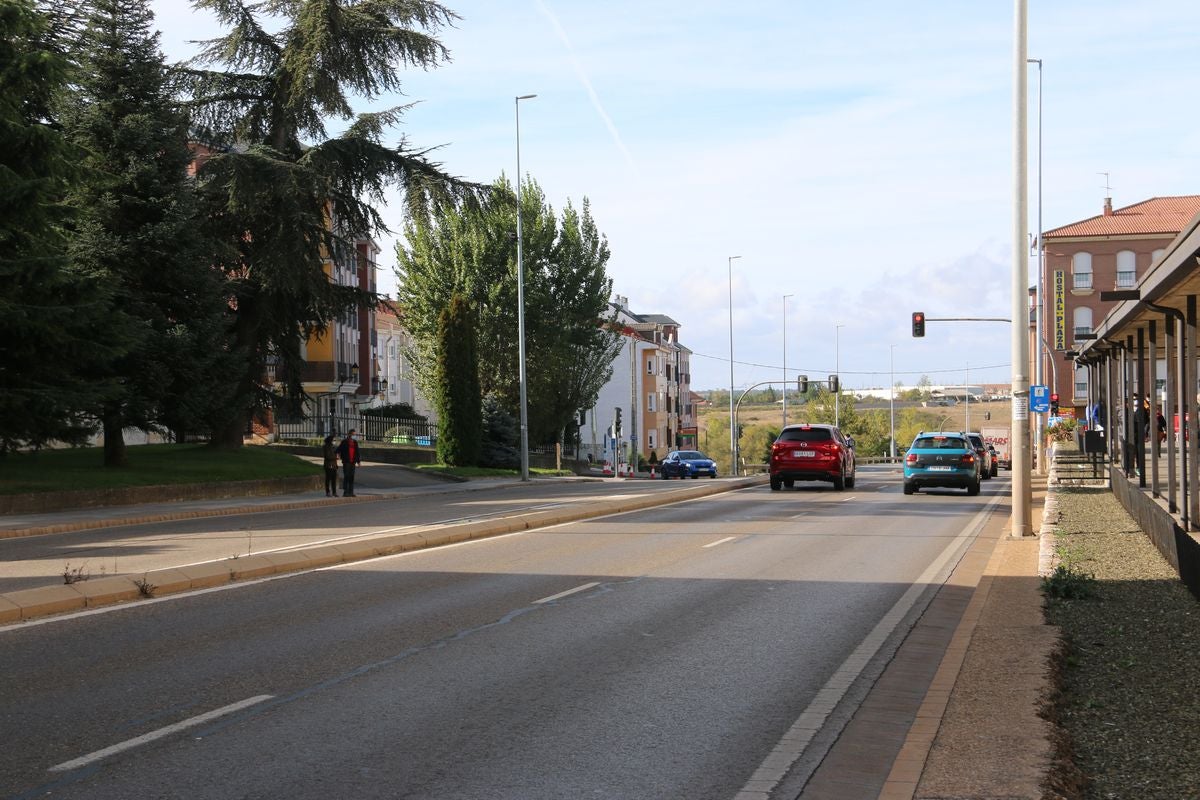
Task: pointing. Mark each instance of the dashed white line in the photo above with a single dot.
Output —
(145, 738)
(552, 597)
(721, 541)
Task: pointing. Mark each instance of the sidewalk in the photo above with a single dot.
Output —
(978, 733)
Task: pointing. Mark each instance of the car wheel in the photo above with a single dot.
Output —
(776, 484)
(973, 489)
(909, 488)
(995, 471)
(850, 481)
(839, 483)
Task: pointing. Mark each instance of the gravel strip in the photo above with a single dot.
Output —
(1129, 673)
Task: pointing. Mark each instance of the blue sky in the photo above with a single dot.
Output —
(857, 155)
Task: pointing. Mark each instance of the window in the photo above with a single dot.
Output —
(651, 400)
(1081, 270)
(1126, 269)
(650, 366)
(1083, 320)
(1081, 382)
(651, 437)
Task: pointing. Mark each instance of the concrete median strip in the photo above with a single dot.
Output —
(27, 604)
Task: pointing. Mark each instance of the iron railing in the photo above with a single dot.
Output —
(386, 430)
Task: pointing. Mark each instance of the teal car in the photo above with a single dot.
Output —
(941, 459)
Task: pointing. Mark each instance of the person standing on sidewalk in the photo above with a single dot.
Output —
(329, 453)
(351, 458)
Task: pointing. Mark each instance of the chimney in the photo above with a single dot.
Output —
(1108, 212)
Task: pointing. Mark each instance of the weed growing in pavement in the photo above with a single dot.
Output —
(145, 587)
(75, 575)
(1068, 581)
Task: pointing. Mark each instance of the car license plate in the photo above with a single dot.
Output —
(803, 454)
(940, 469)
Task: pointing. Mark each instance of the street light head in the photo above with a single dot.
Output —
(526, 96)
(1037, 61)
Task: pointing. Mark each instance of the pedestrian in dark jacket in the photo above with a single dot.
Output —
(349, 454)
(329, 452)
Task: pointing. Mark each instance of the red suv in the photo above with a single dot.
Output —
(812, 453)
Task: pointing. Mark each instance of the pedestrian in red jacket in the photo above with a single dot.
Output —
(349, 453)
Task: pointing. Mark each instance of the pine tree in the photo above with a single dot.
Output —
(50, 315)
(136, 228)
(459, 402)
(282, 194)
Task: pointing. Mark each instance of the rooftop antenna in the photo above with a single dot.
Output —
(1107, 188)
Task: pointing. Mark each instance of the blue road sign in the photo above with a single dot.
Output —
(1039, 398)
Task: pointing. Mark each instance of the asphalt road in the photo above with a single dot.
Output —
(31, 561)
(662, 653)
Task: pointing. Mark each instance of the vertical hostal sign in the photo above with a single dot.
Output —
(1060, 310)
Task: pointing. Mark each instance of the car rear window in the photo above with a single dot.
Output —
(977, 442)
(806, 435)
(939, 443)
(690, 454)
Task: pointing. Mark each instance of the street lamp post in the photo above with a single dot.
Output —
(521, 302)
(733, 470)
(1021, 524)
(785, 383)
(892, 395)
(1041, 301)
(837, 369)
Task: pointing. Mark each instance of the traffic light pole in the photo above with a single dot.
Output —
(734, 436)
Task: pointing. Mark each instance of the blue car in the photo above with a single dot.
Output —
(941, 458)
(687, 464)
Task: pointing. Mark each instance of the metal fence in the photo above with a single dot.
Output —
(385, 430)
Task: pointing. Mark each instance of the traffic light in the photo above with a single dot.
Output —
(740, 429)
(1054, 404)
(617, 424)
(918, 323)
(582, 417)
(833, 383)
(802, 384)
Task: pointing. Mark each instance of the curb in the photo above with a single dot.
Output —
(199, 513)
(27, 604)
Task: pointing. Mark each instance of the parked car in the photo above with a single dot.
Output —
(981, 452)
(687, 464)
(812, 452)
(941, 458)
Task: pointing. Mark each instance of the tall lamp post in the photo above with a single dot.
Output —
(892, 402)
(837, 369)
(785, 386)
(1021, 479)
(733, 470)
(521, 302)
(1038, 458)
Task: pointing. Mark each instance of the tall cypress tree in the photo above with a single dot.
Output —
(459, 402)
(51, 317)
(136, 226)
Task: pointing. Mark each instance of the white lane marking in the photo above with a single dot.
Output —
(146, 738)
(794, 742)
(848, 499)
(721, 541)
(552, 597)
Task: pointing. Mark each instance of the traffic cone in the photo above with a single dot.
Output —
(652, 474)
(608, 471)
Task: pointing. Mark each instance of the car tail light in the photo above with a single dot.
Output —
(969, 458)
(911, 458)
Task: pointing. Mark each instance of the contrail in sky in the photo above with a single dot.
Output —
(587, 84)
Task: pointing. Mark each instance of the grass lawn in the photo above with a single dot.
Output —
(149, 465)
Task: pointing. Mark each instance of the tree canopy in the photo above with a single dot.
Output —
(470, 248)
(287, 199)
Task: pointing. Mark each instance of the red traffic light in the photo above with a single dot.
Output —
(918, 323)
(1054, 398)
